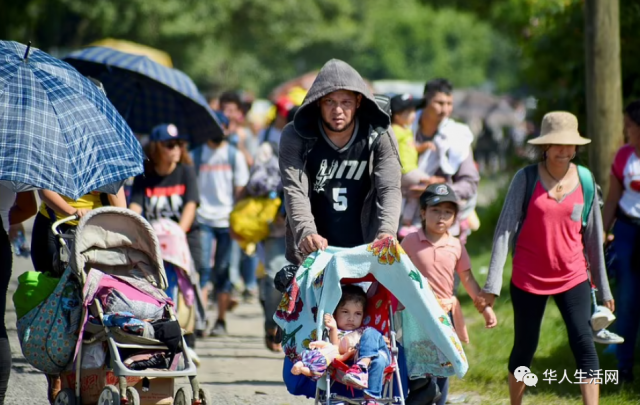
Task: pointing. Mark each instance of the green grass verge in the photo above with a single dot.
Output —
(488, 351)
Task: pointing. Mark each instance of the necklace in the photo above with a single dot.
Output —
(559, 186)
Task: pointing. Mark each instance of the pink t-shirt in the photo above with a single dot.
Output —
(437, 262)
(626, 168)
(549, 257)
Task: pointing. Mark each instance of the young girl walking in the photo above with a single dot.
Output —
(438, 256)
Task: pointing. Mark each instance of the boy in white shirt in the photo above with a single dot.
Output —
(222, 175)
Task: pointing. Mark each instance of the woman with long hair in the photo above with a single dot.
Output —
(169, 188)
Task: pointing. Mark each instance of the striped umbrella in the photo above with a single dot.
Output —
(58, 131)
(147, 93)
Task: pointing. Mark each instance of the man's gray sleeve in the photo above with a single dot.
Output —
(505, 231)
(466, 179)
(387, 174)
(295, 185)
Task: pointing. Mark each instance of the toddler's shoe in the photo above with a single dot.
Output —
(357, 376)
(602, 318)
(607, 338)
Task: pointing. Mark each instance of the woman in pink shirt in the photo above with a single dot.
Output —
(623, 207)
(552, 254)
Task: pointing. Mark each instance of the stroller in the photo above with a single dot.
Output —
(397, 294)
(116, 257)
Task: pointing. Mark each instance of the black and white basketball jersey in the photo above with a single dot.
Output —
(339, 182)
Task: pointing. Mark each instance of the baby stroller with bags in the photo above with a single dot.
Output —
(425, 344)
(121, 341)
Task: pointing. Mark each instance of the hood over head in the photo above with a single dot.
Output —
(337, 75)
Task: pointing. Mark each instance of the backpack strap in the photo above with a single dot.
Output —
(531, 178)
(531, 175)
(588, 192)
(374, 138)
(232, 159)
(196, 156)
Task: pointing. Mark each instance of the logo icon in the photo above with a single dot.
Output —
(524, 374)
(520, 372)
(442, 190)
(530, 380)
(172, 130)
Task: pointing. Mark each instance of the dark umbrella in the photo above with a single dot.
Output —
(147, 93)
(58, 131)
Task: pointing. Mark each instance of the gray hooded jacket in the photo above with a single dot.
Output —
(381, 210)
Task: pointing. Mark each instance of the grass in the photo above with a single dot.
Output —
(488, 350)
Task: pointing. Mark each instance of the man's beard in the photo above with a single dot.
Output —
(332, 129)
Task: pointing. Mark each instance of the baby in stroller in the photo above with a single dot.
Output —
(371, 349)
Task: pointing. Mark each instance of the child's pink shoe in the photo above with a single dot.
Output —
(357, 376)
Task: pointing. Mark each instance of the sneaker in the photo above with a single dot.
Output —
(233, 303)
(607, 338)
(219, 329)
(249, 296)
(357, 376)
(602, 318)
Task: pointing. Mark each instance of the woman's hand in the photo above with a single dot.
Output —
(483, 300)
(611, 305)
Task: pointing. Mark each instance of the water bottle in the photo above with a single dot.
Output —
(20, 245)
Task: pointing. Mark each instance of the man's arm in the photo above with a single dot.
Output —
(466, 179)
(387, 176)
(296, 185)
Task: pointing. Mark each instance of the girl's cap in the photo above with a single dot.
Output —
(436, 194)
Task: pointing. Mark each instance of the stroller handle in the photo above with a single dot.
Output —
(55, 225)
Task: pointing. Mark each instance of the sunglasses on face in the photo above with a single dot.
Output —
(172, 144)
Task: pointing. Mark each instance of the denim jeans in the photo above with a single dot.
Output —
(272, 250)
(373, 346)
(248, 267)
(628, 285)
(221, 279)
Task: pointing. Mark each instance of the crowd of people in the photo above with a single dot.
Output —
(348, 173)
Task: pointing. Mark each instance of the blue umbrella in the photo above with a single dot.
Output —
(147, 93)
(58, 131)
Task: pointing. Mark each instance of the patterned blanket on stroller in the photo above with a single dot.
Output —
(430, 342)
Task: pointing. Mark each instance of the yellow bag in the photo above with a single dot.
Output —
(250, 219)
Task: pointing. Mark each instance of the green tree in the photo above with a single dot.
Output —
(256, 44)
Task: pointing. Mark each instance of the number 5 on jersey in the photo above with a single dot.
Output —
(340, 199)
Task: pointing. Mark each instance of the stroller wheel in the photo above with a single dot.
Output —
(109, 396)
(204, 397)
(65, 397)
(133, 396)
(184, 396)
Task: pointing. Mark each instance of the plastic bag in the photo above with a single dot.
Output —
(33, 288)
(251, 217)
(93, 355)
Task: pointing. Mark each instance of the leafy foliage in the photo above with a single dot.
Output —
(257, 44)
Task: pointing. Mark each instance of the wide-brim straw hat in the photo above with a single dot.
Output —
(559, 128)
